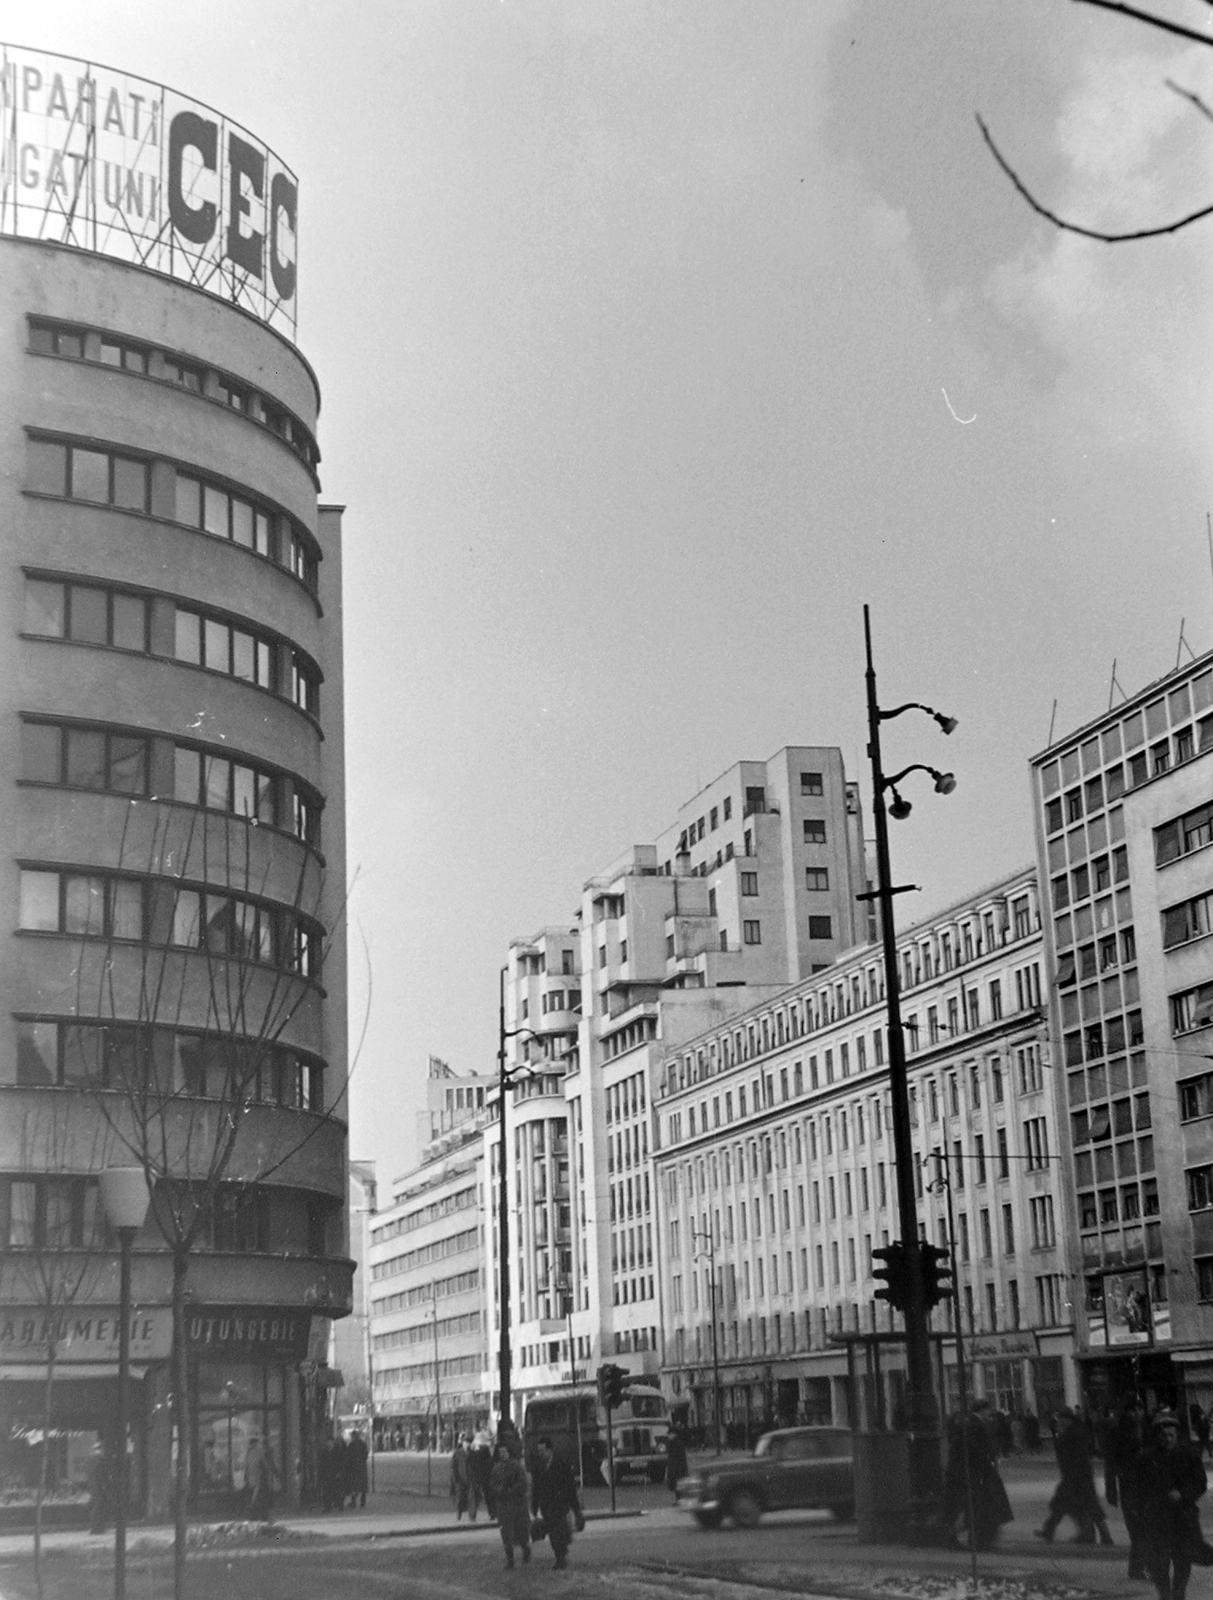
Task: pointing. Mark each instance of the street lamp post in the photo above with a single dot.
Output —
(709, 1235)
(125, 1199)
(505, 1076)
(922, 1410)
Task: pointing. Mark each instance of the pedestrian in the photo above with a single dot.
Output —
(357, 1456)
(1075, 1494)
(972, 1475)
(1172, 1478)
(338, 1473)
(511, 1491)
(554, 1498)
(461, 1477)
(675, 1460)
(260, 1480)
(1004, 1440)
(1122, 1475)
(1031, 1432)
(480, 1467)
(100, 1489)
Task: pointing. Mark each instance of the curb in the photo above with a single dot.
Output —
(472, 1527)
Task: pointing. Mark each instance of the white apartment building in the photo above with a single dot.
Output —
(427, 1296)
(751, 888)
(774, 1178)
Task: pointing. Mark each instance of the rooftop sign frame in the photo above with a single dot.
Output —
(113, 164)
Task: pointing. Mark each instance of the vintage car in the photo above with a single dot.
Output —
(790, 1469)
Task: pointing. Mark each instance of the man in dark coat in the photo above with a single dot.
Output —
(1123, 1449)
(1075, 1494)
(554, 1498)
(1172, 1479)
(357, 1456)
(970, 1453)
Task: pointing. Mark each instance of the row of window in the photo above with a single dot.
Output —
(94, 614)
(427, 1293)
(148, 361)
(456, 1244)
(58, 1213)
(860, 990)
(428, 1332)
(96, 905)
(115, 478)
(112, 761)
(1128, 735)
(175, 1060)
(461, 1200)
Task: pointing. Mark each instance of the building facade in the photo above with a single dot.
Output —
(427, 1297)
(1123, 819)
(751, 888)
(774, 1181)
(172, 950)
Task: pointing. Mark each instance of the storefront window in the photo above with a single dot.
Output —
(236, 1402)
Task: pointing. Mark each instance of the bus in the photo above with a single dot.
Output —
(640, 1429)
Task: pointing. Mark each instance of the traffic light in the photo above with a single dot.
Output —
(893, 1275)
(611, 1380)
(937, 1282)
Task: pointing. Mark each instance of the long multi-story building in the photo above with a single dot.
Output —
(172, 741)
(1124, 812)
(774, 1178)
(427, 1296)
(752, 888)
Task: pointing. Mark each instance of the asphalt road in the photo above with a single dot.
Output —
(658, 1554)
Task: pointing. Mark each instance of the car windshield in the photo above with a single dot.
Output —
(763, 1447)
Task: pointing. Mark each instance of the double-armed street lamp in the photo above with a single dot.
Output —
(922, 1411)
(505, 1077)
(704, 1242)
(124, 1199)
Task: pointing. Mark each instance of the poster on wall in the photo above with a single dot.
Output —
(1127, 1307)
(102, 161)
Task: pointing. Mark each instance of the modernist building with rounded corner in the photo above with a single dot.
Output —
(172, 859)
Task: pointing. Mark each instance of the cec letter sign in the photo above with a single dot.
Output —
(115, 165)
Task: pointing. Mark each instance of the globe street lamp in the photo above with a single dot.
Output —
(922, 1411)
(124, 1198)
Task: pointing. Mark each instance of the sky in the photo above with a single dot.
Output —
(657, 337)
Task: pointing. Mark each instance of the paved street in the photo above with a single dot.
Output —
(404, 1547)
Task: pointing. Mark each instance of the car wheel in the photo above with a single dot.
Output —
(844, 1512)
(745, 1509)
(707, 1519)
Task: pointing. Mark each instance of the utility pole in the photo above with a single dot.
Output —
(710, 1236)
(923, 1414)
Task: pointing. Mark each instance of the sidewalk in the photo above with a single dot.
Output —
(373, 1523)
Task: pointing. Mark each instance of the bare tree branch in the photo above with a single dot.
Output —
(1074, 227)
(1161, 23)
(1189, 94)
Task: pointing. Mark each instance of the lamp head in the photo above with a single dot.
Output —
(124, 1196)
(947, 724)
(945, 783)
(901, 807)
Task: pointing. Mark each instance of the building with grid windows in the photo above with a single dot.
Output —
(1123, 818)
(172, 742)
(774, 1181)
(751, 888)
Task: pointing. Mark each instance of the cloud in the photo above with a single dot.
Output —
(1125, 331)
